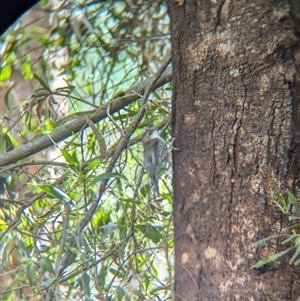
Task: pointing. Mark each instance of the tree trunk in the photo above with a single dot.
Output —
(236, 119)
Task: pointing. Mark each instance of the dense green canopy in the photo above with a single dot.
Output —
(77, 216)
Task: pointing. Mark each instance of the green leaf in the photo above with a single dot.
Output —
(49, 282)
(42, 82)
(264, 239)
(289, 239)
(46, 265)
(102, 276)
(122, 232)
(297, 262)
(60, 194)
(98, 136)
(107, 230)
(9, 140)
(271, 258)
(5, 73)
(119, 186)
(55, 192)
(145, 190)
(68, 157)
(292, 218)
(105, 176)
(293, 201)
(296, 254)
(85, 280)
(121, 293)
(47, 189)
(94, 164)
(157, 289)
(6, 98)
(282, 201)
(31, 270)
(150, 232)
(26, 70)
(147, 281)
(117, 273)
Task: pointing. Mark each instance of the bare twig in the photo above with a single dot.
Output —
(112, 120)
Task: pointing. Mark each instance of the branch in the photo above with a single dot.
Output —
(78, 123)
(83, 165)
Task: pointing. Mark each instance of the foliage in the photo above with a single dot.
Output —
(79, 56)
(291, 240)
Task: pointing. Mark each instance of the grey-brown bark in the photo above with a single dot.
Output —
(236, 121)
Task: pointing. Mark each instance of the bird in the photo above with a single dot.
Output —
(155, 156)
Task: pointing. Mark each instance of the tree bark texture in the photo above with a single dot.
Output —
(236, 119)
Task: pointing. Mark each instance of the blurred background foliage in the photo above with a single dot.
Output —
(59, 61)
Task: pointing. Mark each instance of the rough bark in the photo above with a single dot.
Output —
(236, 119)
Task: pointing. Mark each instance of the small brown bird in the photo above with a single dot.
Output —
(155, 156)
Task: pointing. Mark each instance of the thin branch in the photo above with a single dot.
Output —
(18, 288)
(33, 162)
(76, 98)
(78, 122)
(16, 203)
(112, 120)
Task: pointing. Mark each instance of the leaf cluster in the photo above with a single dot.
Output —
(289, 207)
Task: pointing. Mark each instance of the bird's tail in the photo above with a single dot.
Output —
(154, 182)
